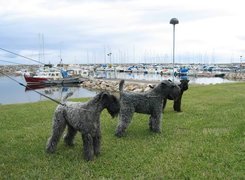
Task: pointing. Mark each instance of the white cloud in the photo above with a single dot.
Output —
(205, 26)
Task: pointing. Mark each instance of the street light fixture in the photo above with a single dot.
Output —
(174, 21)
(109, 54)
(240, 63)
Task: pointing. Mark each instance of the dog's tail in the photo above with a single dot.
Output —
(121, 85)
(66, 96)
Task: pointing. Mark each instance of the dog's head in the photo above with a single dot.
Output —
(111, 103)
(184, 84)
(168, 88)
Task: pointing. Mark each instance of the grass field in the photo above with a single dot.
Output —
(205, 141)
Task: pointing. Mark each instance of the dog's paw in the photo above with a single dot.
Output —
(119, 134)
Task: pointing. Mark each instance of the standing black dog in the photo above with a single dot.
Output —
(150, 102)
(177, 102)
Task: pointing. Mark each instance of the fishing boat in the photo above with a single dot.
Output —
(62, 81)
(35, 80)
(50, 80)
(50, 77)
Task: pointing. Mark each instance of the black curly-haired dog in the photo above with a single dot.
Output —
(177, 101)
(150, 102)
(83, 118)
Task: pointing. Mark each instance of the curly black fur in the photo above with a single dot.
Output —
(82, 117)
(177, 102)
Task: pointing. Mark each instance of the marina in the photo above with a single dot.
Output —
(12, 92)
(55, 81)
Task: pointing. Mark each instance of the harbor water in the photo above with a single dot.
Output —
(12, 92)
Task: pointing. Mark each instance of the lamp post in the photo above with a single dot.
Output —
(174, 21)
(240, 63)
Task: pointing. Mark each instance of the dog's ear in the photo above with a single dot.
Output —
(104, 95)
(164, 83)
(168, 83)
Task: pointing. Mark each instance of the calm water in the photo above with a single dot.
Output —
(12, 92)
(158, 77)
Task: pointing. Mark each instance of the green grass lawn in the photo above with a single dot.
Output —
(205, 141)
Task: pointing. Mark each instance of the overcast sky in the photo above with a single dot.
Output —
(84, 31)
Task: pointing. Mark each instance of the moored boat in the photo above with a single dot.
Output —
(67, 80)
(37, 80)
(50, 76)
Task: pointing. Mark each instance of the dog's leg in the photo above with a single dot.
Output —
(150, 122)
(97, 142)
(125, 118)
(155, 122)
(164, 104)
(177, 104)
(59, 125)
(88, 149)
(69, 137)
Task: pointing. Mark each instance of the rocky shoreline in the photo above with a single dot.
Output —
(113, 85)
(235, 76)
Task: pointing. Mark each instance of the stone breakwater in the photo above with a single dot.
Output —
(235, 76)
(113, 85)
(135, 86)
